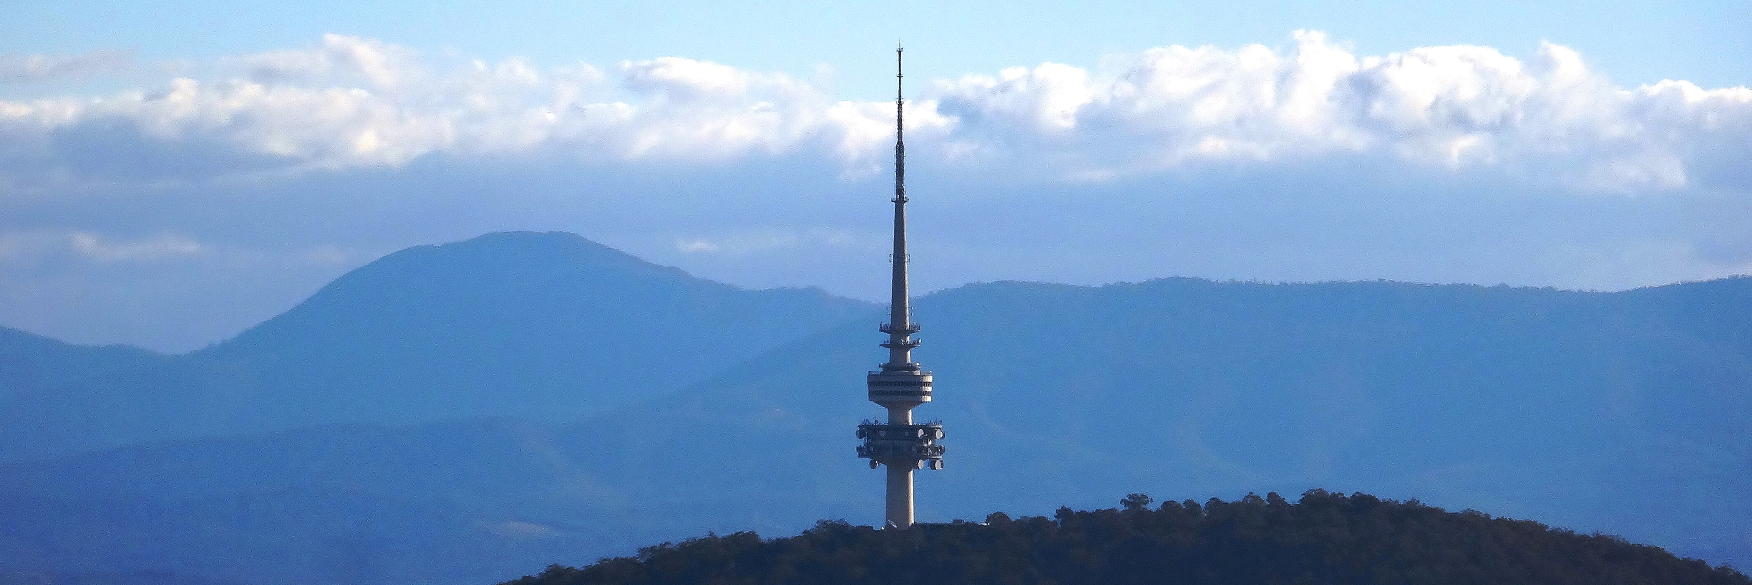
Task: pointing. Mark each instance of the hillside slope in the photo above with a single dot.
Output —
(37, 406)
(1330, 539)
(1613, 412)
(545, 325)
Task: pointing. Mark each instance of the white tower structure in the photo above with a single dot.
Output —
(901, 384)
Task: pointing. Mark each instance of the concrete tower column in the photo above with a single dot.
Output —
(900, 495)
(901, 384)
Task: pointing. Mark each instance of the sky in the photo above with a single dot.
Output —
(171, 174)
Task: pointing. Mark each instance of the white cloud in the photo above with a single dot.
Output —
(164, 246)
(338, 59)
(746, 242)
(16, 68)
(1453, 106)
(695, 246)
(27, 247)
(741, 243)
(351, 102)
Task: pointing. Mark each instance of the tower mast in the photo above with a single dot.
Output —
(900, 385)
(899, 310)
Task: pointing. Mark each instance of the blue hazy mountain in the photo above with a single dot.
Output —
(545, 325)
(1616, 412)
(37, 373)
(37, 364)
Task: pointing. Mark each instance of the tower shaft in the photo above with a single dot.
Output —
(899, 311)
(901, 384)
(899, 497)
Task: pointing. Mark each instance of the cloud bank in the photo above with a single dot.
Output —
(1454, 107)
(350, 102)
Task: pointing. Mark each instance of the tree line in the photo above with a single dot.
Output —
(1324, 538)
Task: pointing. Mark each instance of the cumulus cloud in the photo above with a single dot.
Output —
(338, 59)
(349, 102)
(1454, 106)
(16, 68)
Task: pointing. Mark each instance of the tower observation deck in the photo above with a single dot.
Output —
(900, 385)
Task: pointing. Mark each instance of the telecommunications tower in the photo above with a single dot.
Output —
(901, 384)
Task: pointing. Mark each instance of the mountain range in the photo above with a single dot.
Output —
(547, 326)
(472, 412)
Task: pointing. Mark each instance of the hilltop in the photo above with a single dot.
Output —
(1324, 538)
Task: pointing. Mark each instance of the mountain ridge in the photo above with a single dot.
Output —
(513, 324)
(1619, 412)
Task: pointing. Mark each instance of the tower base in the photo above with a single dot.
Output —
(900, 496)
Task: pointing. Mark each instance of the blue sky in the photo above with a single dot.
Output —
(1632, 42)
(173, 173)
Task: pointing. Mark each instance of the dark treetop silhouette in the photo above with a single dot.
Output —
(1325, 538)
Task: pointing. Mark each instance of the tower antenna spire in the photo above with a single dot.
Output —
(900, 314)
(900, 385)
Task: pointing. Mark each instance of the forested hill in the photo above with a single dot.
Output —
(1324, 538)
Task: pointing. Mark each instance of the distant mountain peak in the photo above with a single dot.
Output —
(526, 248)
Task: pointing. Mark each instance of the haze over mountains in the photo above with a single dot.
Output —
(549, 326)
(471, 412)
